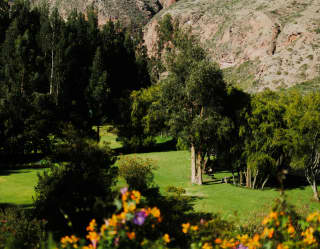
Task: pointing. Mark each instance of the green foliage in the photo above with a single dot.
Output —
(266, 141)
(68, 195)
(137, 172)
(192, 95)
(144, 122)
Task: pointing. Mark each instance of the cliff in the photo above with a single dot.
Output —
(258, 43)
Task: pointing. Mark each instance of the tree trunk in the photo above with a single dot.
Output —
(240, 178)
(199, 163)
(265, 181)
(315, 190)
(255, 179)
(248, 178)
(233, 178)
(22, 83)
(193, 164)
(51, 76)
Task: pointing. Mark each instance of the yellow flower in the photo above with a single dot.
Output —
(308, 234)
(243, 238)
(185, 227)
(129, 207)
(88, 247)
(155, 212)
(103, 228)
(166, 238)
(131, 235)
(207, 246)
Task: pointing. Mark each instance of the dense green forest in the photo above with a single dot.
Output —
(62, 79)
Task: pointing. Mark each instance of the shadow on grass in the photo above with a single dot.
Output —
(160, 147)
(294, 180)
(20, 170)
(12, 205)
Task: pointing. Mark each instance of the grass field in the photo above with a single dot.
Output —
(226, 199)
(17, 187)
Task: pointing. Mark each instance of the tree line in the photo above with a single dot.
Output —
(55, 71)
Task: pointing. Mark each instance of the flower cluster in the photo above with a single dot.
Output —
(132, 226)
(124, 229)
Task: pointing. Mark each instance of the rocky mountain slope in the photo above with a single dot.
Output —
(258, 43)
(134, 12)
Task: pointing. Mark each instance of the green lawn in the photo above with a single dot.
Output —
(226, 199)
(17, 186)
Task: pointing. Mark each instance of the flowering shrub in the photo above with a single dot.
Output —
(125, 229)
(133, 227)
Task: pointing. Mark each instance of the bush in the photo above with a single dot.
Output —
(19, 230)
(69, 195)
(137, 172)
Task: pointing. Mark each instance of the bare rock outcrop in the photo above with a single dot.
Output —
(258, 43)
(167, 3)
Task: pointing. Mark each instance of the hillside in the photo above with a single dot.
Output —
(134, 12)
(258, 43)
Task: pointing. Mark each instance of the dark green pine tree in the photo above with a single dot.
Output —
(20, 51)
(98, 92)
(4, 18)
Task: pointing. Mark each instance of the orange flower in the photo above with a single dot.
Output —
(93, 236)
(166, 238)
(291, 230)
(131, 235)
(312, 216)
(218, 241)
(92, 225)
(254, 243)
(194, 228)
(135, 195)
(268, 232)
(185, 227)
(282, 246)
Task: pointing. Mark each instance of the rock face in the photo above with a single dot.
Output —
(167, 3)
(258, 43)
(133, 12)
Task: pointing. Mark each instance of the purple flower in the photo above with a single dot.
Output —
(242, 247)
(139, 218)
(124, 190)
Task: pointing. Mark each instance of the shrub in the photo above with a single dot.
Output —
(69, 195)
(137, 172)
(19, 230)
